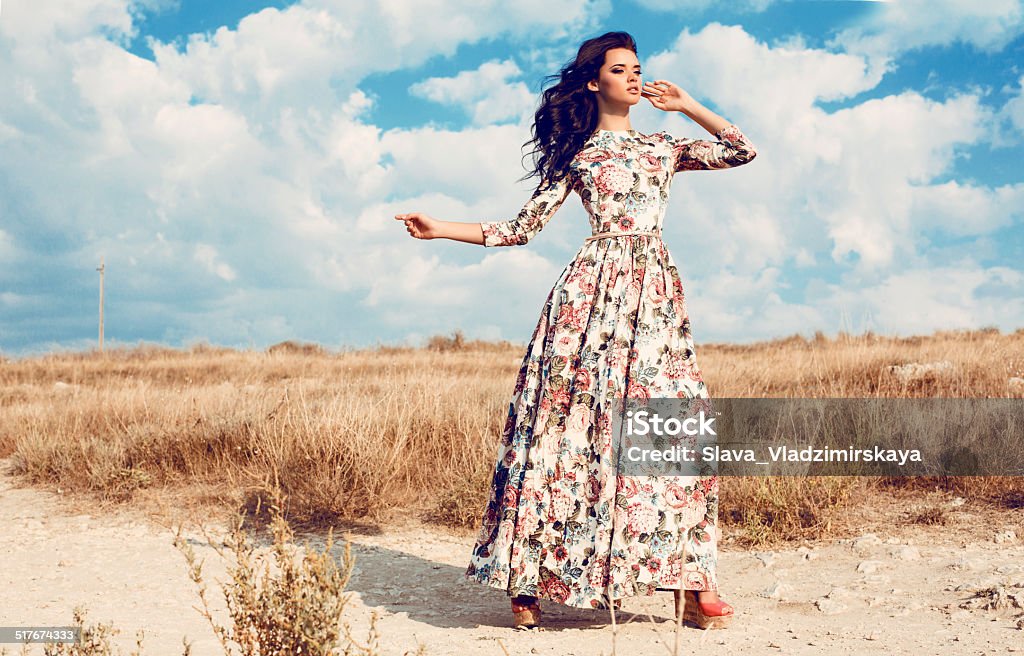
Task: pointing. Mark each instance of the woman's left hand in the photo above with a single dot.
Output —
(666, 96)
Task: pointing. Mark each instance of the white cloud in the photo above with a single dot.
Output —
(731, 68)
(6, 246)
(486, 93)
(1012, 111)
(897, 27)
(966, 209)
(207, 255)
(63, 21)
(962, 295)
(696, 6)
(742, 307)
(300, 55)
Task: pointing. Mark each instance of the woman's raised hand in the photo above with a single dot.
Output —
(419, 225)
(666, 96)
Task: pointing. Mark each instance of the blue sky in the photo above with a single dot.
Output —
(237, 165)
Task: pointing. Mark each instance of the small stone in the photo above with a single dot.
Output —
(776, 590)
(1004, 537)
(866, 541)
(868, 566)
(830, 606)
(807, 554)
(963, 562)
(906, 553)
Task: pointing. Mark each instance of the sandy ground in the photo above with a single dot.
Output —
(911, 589)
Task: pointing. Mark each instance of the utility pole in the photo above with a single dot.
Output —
(101, 268)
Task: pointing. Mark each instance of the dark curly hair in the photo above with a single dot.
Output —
(567, 115)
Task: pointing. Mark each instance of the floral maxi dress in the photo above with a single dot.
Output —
(561, 523)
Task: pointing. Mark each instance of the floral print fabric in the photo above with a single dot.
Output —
(560, 522)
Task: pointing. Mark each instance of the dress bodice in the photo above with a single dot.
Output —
(623, 179)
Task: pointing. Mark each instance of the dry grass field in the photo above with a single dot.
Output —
(365, 436)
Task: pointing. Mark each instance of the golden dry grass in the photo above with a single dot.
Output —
(365, 434)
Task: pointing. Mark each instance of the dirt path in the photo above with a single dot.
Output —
(897, 592)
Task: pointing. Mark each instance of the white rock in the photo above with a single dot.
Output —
(906, 552)
(866, 541)
(1004, 537)
(830, 606)
(918, 370)
(807, 554)
(776, 590)
(963, 562)
(868, 566)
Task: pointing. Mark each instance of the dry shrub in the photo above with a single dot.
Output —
(296, 348)
(786, 507)
(463, 493)
(931, 516)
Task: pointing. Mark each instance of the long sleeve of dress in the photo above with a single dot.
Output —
(731, 149)
(531, 219)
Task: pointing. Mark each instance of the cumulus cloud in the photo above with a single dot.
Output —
(897, 27)
(960, 295)
(486, 94)
(1012, 112)
(207, 255)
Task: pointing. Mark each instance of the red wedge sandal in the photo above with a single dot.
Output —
(525, 612)
(706, 615)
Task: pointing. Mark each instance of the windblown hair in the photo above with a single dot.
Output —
(568, 113)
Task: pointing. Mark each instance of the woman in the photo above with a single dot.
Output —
(561, 523)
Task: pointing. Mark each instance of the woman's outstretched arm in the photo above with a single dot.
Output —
(422, 226)
(515, 232)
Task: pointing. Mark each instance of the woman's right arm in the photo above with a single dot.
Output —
(422, 226)
(546, 200)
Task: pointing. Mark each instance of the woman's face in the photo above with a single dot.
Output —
(618, 81)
